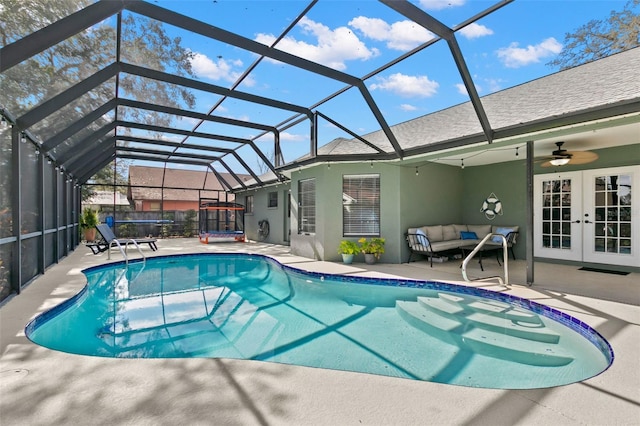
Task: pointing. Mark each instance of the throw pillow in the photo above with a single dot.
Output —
(502, 231)
(468, 235)
(422, 239)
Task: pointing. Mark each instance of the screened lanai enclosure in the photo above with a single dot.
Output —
(90, 89)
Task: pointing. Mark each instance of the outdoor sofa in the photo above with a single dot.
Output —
(429, 240)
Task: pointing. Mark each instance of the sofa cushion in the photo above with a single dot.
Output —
(468, 235)
(434, 233)
(480, 230)
(502, 231)
(494, 228)
(448, 245)
(459, 229)
(449, 233)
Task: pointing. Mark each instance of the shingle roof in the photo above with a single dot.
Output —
(601, 83)
(140, 176)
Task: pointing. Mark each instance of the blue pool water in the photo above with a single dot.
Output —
(251, 307)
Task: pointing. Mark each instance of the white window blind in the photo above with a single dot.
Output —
(307, 206)
(361, 205)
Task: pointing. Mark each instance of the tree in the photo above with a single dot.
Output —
(144, 42)
(598, 39)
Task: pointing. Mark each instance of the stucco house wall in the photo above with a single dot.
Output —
(277, 216)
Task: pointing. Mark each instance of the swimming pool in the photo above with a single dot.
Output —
(249, 306)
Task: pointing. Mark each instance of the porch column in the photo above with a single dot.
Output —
(529, 210)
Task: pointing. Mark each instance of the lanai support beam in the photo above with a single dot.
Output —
(52, 105)
(418, 16)
(207, 30)
(77, 126)
(190, 146)
(23, 49)
(529, 209)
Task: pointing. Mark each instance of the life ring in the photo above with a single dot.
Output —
(491, 207)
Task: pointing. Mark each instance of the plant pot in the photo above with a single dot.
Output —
(369, 258)
(90, 234)
(347, 258)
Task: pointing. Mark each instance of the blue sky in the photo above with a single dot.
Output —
(508, 47)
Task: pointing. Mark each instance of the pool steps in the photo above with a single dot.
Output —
(491, 328)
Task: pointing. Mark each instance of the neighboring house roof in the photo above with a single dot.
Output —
(586, 89)
(106, 198)
(141, 176)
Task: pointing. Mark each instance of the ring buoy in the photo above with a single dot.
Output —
(491, 207)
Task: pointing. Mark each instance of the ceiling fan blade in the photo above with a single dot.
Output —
(582, 157)
(577, 157)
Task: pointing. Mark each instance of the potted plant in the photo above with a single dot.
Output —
(372, 249)
(88, 222)
(348, 249)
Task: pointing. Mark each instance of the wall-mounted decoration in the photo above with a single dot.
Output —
(492, 207)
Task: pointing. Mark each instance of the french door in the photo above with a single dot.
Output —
(589, 216)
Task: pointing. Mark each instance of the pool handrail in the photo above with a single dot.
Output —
(124, 252)
(505, 256)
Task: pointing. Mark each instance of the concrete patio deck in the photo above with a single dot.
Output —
(39, 386)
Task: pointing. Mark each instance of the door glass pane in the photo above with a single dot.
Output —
(613, 227)
(556, 214)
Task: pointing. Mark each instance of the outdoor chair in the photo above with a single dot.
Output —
(419, 244)
(109, 240)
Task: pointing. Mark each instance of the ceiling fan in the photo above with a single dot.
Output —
(561, 157)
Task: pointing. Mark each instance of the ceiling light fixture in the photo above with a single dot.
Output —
(559, 161)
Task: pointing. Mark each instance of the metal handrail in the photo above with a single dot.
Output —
(124, 252)
(135, 243)
(505, 256)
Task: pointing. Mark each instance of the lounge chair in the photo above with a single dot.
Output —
(109, 240)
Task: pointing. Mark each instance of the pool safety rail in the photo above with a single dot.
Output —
(505, 261)
(124, 251)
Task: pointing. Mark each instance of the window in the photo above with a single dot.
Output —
(273, 199)
(307, 206)
(361, 205)
(248, 204)
(154, 206)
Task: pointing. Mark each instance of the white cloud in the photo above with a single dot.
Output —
(516, 57)
(220, 70)
(462, 89)
(408, 107)
(332, 48)
(407, 85)
(440, 4)
(474, 30)
(401, 35)
(292, 137)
